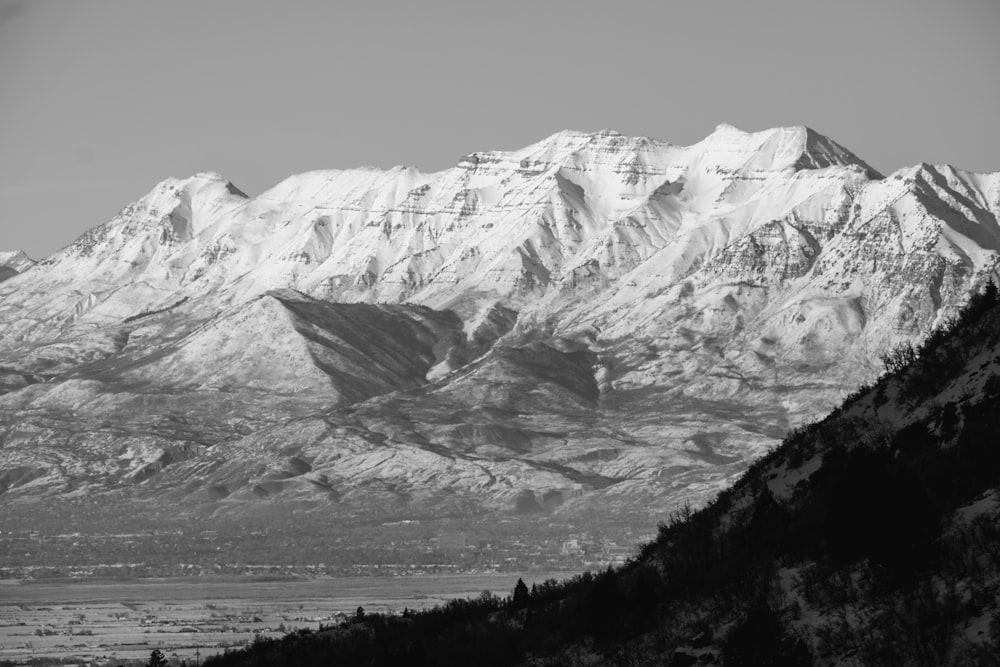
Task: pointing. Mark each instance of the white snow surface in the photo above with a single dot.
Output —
(604, 229)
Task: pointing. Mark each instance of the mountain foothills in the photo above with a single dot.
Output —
(591, 324)
(870, 537)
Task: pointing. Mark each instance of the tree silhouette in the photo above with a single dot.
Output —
(156, 659)
(520, 594)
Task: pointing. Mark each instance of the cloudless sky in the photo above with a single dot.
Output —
(100, 100)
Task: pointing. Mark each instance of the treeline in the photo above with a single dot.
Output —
(869, 529)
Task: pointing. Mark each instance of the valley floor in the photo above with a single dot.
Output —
(111, 621)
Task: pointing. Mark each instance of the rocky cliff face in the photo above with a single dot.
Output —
(594, 321)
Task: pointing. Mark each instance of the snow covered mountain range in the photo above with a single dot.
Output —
(591, 322)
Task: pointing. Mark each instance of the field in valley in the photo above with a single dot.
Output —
(110, 622)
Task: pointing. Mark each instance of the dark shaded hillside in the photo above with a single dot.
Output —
(869, 538)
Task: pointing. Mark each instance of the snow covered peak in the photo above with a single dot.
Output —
(726, 128)
(200, 190)
(980, 188)
(198, 180)
(12, 263)
(819, 151)
(777, 149)
(728, 149)
(16, 260)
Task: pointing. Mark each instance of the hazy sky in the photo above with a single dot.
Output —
(101, 100)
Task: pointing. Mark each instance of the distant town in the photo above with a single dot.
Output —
(312, 546)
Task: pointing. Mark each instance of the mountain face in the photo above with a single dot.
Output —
(592, 323)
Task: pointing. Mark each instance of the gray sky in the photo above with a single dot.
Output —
(101, 100)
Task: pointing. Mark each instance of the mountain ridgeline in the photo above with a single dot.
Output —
(869, 537)
(595, 325)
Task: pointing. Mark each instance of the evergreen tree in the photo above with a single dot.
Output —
(156, 659)
(520, 594)
(990, 294)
